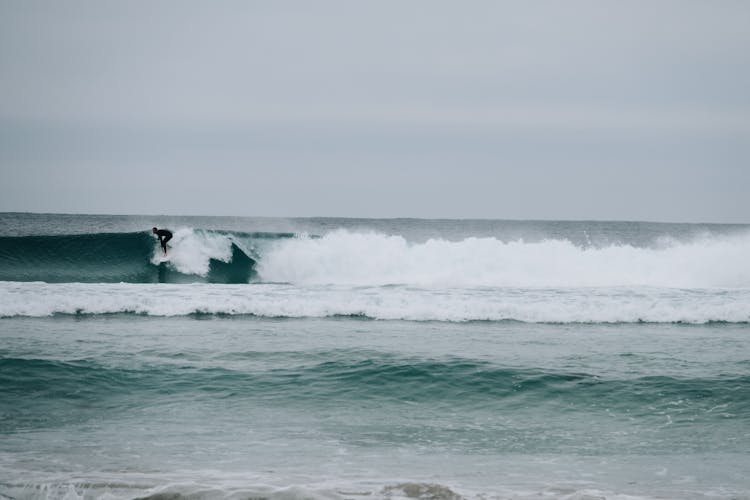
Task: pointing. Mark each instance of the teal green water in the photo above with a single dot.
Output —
(332, 404)
(108, 258)
(382, 359)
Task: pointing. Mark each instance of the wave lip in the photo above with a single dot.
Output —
(535, 305)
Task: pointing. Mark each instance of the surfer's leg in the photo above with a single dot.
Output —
(164, 243)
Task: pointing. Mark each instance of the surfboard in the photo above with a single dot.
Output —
(161, 256)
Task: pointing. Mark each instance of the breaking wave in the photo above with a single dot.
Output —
(195, 256)
(374, 259)
(378, 276)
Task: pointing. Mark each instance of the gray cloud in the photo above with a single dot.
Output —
(624, 110)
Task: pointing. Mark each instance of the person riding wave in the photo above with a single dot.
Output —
(164, 236)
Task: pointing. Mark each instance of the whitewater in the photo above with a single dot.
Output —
(368, 259)
(380, 276)
(340, 359)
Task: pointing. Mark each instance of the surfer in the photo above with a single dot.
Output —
(164, 236)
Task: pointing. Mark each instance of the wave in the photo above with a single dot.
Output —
(456, 382)
(531, 305)
(378, 376)
(195, 256)
(343, 257)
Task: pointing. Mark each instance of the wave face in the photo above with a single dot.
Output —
(195, 256)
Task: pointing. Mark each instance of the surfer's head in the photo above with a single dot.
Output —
(153, 230)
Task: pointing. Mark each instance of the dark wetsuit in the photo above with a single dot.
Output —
(164, 236)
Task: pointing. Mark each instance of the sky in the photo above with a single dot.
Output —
(588, 110)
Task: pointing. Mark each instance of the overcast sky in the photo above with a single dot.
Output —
(522, 110)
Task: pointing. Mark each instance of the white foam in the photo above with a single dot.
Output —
(230, 486)
(563, 305)
(190, 251)
(343, 257)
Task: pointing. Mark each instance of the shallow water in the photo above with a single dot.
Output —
(327, 405)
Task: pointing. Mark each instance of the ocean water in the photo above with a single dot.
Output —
(366, 359)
